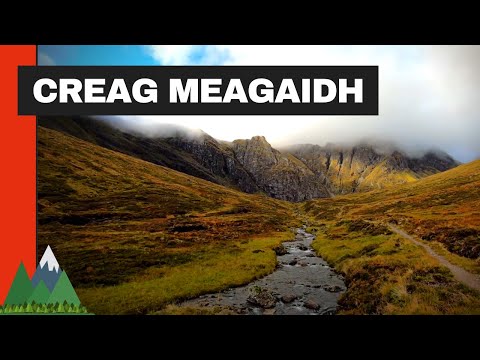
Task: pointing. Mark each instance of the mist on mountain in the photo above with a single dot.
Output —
(151, 129)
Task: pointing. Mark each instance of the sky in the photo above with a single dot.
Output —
(429, 96)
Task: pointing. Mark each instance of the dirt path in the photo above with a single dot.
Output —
(465, 277)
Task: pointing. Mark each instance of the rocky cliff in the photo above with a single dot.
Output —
(278, 174)
(365, 167)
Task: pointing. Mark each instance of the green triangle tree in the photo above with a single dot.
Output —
(21, 288)
(64, 291)
(29, 308)
(60, 308)
(41, 294)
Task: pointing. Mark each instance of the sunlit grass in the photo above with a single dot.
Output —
(221, 267)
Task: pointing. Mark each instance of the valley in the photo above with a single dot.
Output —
(145, 224)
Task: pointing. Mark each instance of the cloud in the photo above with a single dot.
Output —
(45, 60)
(171, 54)
(151, 128)
(188, 54)
(429, 95)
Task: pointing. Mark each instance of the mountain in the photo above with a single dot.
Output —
(365, 167)
(40, 295)
(149, 236)
(442, 208)
(48, 270)
(21, 288)
(64, 291)
(296, 173)
(49, 259)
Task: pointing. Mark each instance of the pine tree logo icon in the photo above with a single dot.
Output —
(48, 292)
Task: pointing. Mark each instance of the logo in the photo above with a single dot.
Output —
(48, 292)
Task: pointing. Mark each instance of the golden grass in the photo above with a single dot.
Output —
(219, 268)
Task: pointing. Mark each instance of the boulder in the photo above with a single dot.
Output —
(288, 298)
(311, 304)
(262, 298)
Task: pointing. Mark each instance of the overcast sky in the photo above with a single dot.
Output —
(429, 95)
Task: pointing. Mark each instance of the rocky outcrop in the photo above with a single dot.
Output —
(218, 158)
(278, 174)
(365, 167)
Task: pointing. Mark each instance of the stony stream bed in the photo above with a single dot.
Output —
(302, 284)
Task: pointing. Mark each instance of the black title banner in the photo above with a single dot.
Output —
(198, 90)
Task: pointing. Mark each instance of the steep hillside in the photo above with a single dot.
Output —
(344, 170)
(200, 156)
(387, 273)
(147, 235)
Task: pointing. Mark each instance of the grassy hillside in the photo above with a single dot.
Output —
(160, 151)
(134, 236)
(388, 274)
(382, 177)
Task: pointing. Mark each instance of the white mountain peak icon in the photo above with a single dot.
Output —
(49, 258)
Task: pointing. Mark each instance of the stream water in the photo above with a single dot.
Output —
(302, 284)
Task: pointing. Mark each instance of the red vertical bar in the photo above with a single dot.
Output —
(18, 171)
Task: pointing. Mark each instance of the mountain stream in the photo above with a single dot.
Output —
(302, 284)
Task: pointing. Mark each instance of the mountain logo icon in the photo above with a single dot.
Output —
(48, 270)
(49, 290)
